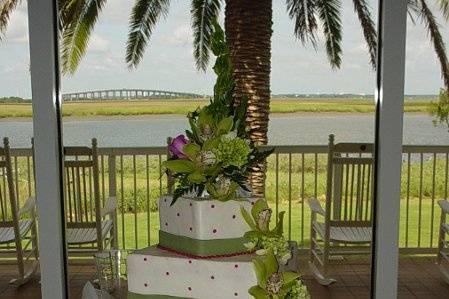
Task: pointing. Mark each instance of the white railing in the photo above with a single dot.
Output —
(294, 174)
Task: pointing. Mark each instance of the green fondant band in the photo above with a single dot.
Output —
(202, 248)
(139, 296)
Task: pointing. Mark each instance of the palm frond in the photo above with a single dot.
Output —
(302, 12)
(412, 10)
(144, 16)
(433, 30)
(6, 9)
(362, 9)
(444, 7)
(70, 11)
(204, 13)
(77, 33)
(329, 14)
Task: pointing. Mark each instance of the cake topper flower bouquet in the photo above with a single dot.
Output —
(215, 155)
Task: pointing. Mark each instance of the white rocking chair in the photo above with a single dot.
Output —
(443, 244)
(18, 236)
(88, 228)
(344, 226)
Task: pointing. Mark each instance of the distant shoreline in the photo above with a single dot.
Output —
(138, 109)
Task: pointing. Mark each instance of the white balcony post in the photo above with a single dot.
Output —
(45, 84)
(389, 123)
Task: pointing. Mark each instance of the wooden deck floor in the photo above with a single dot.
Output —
(418, 278)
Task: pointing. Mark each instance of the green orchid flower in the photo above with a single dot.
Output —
(260, 237)
(222, 189)
(260, 217)
(273, 284)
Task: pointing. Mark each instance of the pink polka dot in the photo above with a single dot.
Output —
(214, 231)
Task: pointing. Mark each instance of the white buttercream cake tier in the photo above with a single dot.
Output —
(153, 272)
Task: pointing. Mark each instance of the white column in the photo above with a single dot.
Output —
(389, 122)
(46, 96)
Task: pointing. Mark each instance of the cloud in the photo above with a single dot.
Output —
(117, 11)
(98, 44)
(181, 36)
(18, 67)
(17, 31)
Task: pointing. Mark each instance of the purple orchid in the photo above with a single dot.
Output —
(177, 145)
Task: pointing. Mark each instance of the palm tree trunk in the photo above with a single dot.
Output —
(248, 26)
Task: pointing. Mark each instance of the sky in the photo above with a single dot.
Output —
(168, 63)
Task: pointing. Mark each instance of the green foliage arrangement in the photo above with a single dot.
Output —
(273, 284)
(261, 237)
(440, 109)
(216, 155)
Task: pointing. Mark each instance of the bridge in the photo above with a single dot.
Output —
(128, 94)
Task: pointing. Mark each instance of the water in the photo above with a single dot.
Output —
(285, 129)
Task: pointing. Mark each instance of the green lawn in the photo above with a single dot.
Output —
(183, 106)
(300, 226)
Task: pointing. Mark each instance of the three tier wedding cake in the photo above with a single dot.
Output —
(215, 240)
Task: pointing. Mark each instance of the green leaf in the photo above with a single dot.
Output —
(211, 143)
(204, 118)
(258, 207)
(194, 128)
(225, 125)
(271, 264)
(258, 293)
(197, 177)
(247, 217)
(213, 170)
(191, 150)
(261, 272)
(289, 277)
(177, 193)
(253, 234)
(180, 166)
(279, 229)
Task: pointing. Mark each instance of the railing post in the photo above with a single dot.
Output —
(112, 175)
(170, 180)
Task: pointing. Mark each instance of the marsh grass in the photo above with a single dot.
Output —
(183, 106)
